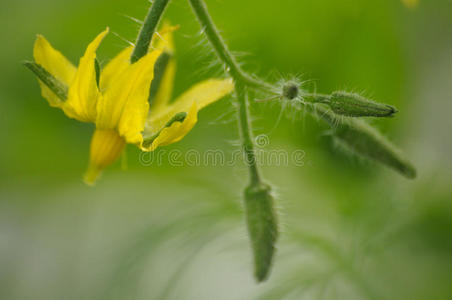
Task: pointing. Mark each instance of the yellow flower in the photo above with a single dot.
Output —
(116, 100)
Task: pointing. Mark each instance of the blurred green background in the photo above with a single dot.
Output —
(350, 229)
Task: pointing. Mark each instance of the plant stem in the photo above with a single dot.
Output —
(147, 30)
(242, 80)
(258, 199)
(200, 9)
(245, 132)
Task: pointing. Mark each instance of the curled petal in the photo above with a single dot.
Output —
(176, 131)
(203, 93)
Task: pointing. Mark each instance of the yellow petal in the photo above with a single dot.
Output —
(176, 131)
(106, 147)
(54, 62)
(163, 39)
(83, 93)
(115, 68)
(203, 93)
(125, 103)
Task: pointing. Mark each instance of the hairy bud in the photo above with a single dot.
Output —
(354, 105)
(366, 141)
(290, 90)
(262, 227)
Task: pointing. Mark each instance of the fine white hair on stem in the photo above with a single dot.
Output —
(123, 38)
(135, 20)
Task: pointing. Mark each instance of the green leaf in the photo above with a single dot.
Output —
(56, 86)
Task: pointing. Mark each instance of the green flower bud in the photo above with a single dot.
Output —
(364, 140)
(262, 227)
(354, 105)
(290, 90)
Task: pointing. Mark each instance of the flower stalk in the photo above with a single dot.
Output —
(260, 214)
(148, 29)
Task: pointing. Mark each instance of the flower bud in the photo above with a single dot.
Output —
(290, 90)
(366, 141)
(262, 227)
(354, 105)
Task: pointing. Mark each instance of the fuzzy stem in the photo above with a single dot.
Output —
(245, 131)
(221, 49)
(147, 30)
(316, 98)
(258, 199)
(241, 81)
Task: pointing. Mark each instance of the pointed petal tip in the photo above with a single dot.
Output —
(40, 39)
(105, 32)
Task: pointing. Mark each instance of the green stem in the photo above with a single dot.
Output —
(147, 30)
(245, 131)
(221, 49)
(258, 199)
(316, 98)
(200, 9)
(242, 80)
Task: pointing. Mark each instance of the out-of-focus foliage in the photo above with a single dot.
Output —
(351, 230)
